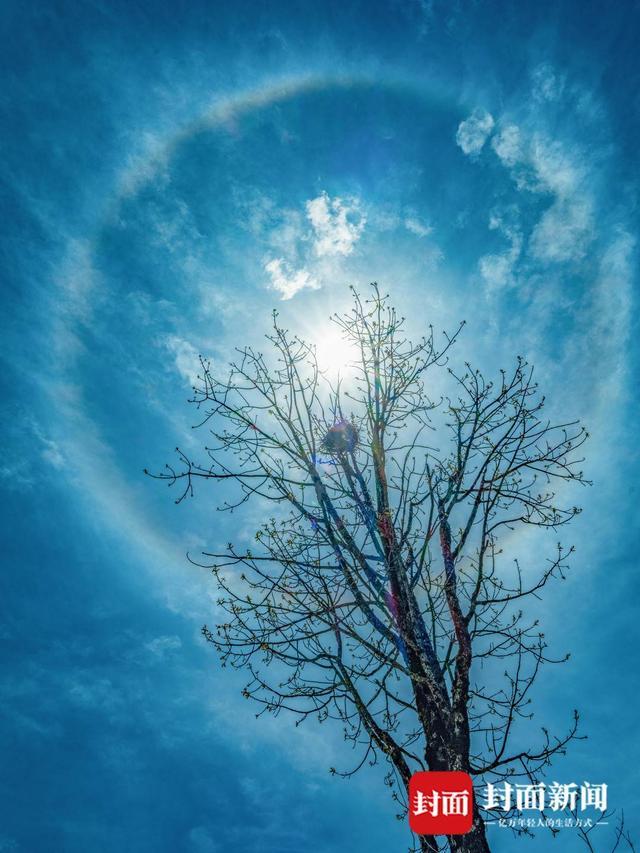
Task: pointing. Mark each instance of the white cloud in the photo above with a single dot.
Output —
(288, 281)
(415, 226)
(497, 269)
(508, 145)
(539, 164)
(186, 358)
(564, 231)
(337, 224)
(473, 132)
(304, 246)
(557, 168)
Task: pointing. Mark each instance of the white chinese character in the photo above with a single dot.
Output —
(499, 799)
(530, 797)
(425, 804)
(593, 795)
(562, 797)
(455, 802)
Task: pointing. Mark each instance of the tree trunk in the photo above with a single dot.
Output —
(474, 841)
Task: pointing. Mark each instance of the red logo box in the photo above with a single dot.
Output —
(440, 803)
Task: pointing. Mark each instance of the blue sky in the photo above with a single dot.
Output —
(169, 174)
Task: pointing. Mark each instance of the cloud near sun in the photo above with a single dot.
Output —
(333, 227)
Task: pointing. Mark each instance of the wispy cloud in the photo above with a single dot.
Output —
(160, 646)
(497, 269)
(17, 476)
(566, 228)
(186, 359)
(568, 251)
(50, 450)
(610, 321)
(417, 227)
(27, 446)
(548, 84)
(542, 165)
(564, 231)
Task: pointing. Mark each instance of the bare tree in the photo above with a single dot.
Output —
(621, 834)
(375, 593)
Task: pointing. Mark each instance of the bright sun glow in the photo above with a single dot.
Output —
(335, 354)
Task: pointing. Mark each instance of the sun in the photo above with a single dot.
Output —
(335, 354)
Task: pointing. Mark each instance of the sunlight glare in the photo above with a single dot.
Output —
(334, 353)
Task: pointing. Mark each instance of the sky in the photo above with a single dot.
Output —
(170, 173)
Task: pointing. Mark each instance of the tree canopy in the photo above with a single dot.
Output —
(376, 592)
